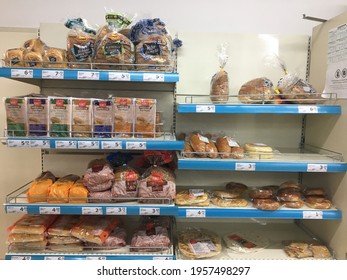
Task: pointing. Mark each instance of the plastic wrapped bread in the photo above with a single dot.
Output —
(16, 116)
(32, 224)
(33, 59)
(63, 225)
(259, 90)
(126, 182)
(14, 57)
(59, 191)
(78, 193)
(116, 239)
(99, 176)
(39, 188)
(55, 58)
(35, 45)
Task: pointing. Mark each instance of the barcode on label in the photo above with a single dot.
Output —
(195, 213)
(87, 75)
(65, 144)
(245, 166)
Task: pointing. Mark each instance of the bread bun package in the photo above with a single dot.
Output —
(55, 58)
(37, 116)
(33, 59)
(102, 118)
(16, 116)
(59, 116)
(123, 109)
(259, 90)
(219, 85)
(35, 45)
(14, 57)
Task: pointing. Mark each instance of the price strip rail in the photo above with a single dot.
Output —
(258, 109)
(94, 144)
(86, 74)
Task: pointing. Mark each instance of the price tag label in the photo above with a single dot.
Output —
(92, 258)
(22, 73)
(52, 74)
(18, 143)
(92, 211)
(153, 77)
(195, 213)
(312, 215)
(54, 258)
(149, 211)
(21, 258)
(59, 144)
(242, 166)
(116, 211)
(205, 108)
(49, 210)
(94, 145)
(111, 145)
(116, 76)
(17, 209)
(87, 75)
(162, 258)
(43, 144)
(317, 167)
(136, 145)
(308, 109)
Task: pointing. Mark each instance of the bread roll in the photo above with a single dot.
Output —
(258, 90)
(35, 45)
(291, 184)
(14, 57)
(33, 59)
(198, 143)
(288, 194)
(211, 150)
(188, 150)
(226, 194)
(55, 58)
(314, 191)
(263, 192)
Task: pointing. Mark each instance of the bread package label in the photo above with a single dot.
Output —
(33, 59)
(145, 114)
(37, 114)
(15, 116)
(157, 182)
(123, 109)
(131, 181)
(202, 246)
(102, 118)
(81, 117)
(81, 47)
(59, 116)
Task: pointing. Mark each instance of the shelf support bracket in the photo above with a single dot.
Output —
(313, 18)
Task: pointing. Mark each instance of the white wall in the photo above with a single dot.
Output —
(256, 16)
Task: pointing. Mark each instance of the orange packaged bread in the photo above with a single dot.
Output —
(32, 224)
(39, 188)
(78, 192)
(59, 191)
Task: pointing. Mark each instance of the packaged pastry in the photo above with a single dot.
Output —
(145, 111)
(293, 204)
(306, 249)
(318, 202)
(226, 194)
(229, 202)
(245, 241)
(32, 224)
(55, 58)
(37, 116)
(78, 193)
(147, 28)
(123, 117)
(288, 194)
(14, 57)
(292, 185)
(59, 116)
(63, 225)
(314, 192)
(266, 204)
(116, 239)
(258, 151)
(33, 59)
(259, 90)
(16, 116)
(39, 188)
(25, 237)
(81, 117)
(263, 192)
(35, 45)
(236, 187)
(59, 191)
(211, 149)
(125, 182)
(192, 197)
(102, 118)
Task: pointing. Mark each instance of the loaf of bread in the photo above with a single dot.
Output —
(78, 193)
(219, 87)
(14, 57)
(59, 191)
(258, 151)
(32, 224)
(293, 204)
(198, 143)
(80, 49)
(33, 59)
(39, 188)
(314, 192)
(288, 194)
(263, 192)
(55, 58)
(63, 225)
(188, 151)
(291, 184)
(258, 90)
(223, 147)
(236, 187)
(211, 149)
(35, 45)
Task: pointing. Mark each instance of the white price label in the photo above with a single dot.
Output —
(317, 167)
(312, 215)
(242, 166)
(49, 210)
(136, 145)
(92, 211)
(111, 145)
(59, 144)
(307, 109)
(18, 143)
(22, 73)
(149, 211)
(21, 258)
(162, 258)
(87, 75)
(17, 209)
(116, 76)
(88, 145)
(116, 211)
(205, 108)
(90, 258)
(153, 77)
(54, 258)
(52, 74)
(195, 213)
(43, 144)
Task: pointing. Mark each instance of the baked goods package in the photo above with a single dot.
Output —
(35, 45)
(245, 241)
(14, 57)
(78, 193)
(55, 58)
(99, 176)
(59, 116)
(306, 249)
(259, 90)
(39, 188)
(229, 148)
(33, 59)
(116, 239)
(192, 197)
(32, 224)
(199, 243)
(81, 117)
(59, 191)
(16, 116)
(102, 118)
(258, 151)
(219, 85)
(62, 225)
(147, 28)
(37, 116)
(145, 115)
(228, 198)
(123, 109)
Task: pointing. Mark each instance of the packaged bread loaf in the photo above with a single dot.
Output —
(123, 117)
(33, 59)
(16, 116)
(102, 118)
(258, 150)
(55, 58)
(81, 117)
(145, 111)
(245, 241)
(32, 224)
(147, 28)
(39, 188)
(199, 142)
(59, 191)
(192, 197)
(229, 148)
(259, 90)
(266, 203)
(37, 116)
(14, 57)
(116, 239)
(99, 176)
(59, 116)
(318, 202)
(62, 225)
(188, 151)
(35, 45)
(125, 182)
(78, 193)
(306, 249)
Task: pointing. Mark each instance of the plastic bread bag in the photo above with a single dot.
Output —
(16, 116)
(37, 115)
(63, 225)
(147, 28)
(258, 90)
(55, 58)
(192, 197)
(219, 85)
(102, 118)
(245, 242)
(78, 193)
(35, 45)
(115, 240)
(99, 176)
(59, 115)
(59, 191)
(14, 57)
(32, 224)
(39, 188)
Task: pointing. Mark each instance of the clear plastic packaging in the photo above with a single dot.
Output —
(37, 115)
(32, 224)
(258, 90)
(192, 197)
(102, 118)
(59, 191)
(99, 176)
(59, 116)
(245, 242)
(39, 188)
(16, 116)
(81, 118)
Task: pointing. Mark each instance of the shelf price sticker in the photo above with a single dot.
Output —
(22, 73)
(317, 215)
(195, 213)
(162, 258)
(94, 145)
(317, 167)
(43, 144)
(62, 144)
(243, 166)
(14, 143)
(205, 108)
(53, 74)
(111, 145)
(96, 258)
(136, 145)
(87, 75)
(307, 109)
(117, 76)
(21, 258)
(149, 211)
(116, 211)
(153, 77)
(92, 211)
(17, 209)
(54, 258)
(49, 210)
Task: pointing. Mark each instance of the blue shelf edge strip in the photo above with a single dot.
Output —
(10, 256)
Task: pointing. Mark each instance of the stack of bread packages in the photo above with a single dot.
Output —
(264, 198)
(59, 192)
(219, 85)
(29, 233)
(290, 195)
(113, 49)
(231, 196)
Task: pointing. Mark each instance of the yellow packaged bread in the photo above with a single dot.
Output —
(39, 188)
(32, 224)
(78, 192)
(59, 191)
